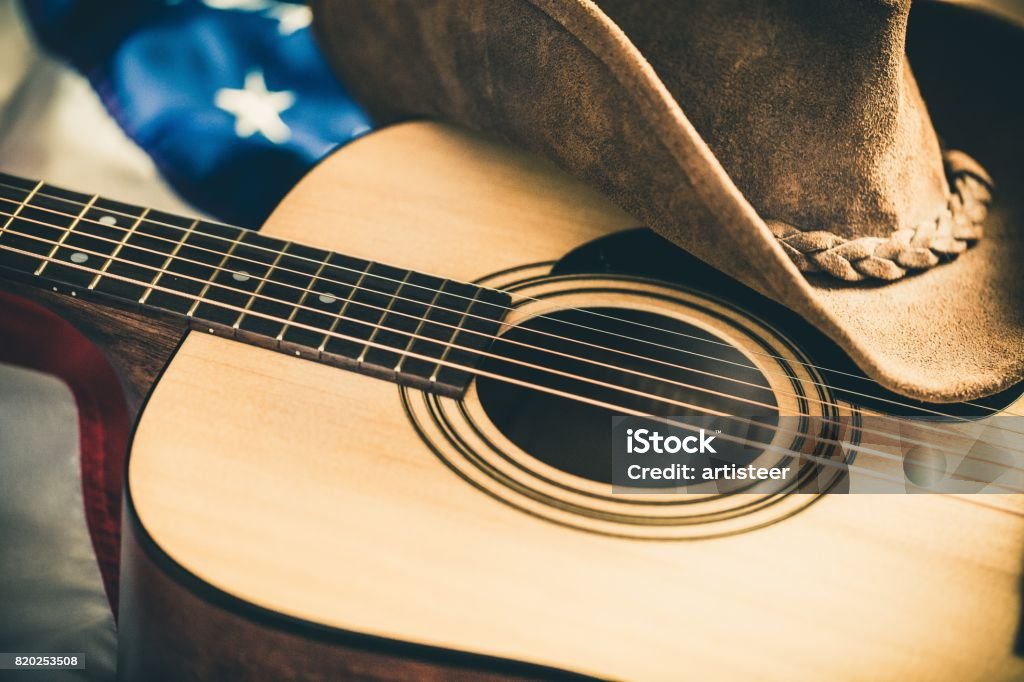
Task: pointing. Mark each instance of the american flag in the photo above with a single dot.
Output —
(230, 98)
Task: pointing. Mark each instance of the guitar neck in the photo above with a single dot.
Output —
(400, 325)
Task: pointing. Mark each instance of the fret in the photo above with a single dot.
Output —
(53, 206)
(167, 261)
(340, 280)
(10, 185)
(406, 314)
(439, 327)
(416, 333)
(53, 252)
(329, 291)
(259, 288)
(193, 266)
(39, 236)
(215, 313)
(235, 281)
(443, 371)
(364, 310)
(285, 286)
(13, 199)
(117, 249)
(292, 298)
(479, 328)
(290, 344)
(143, 251)
(341, 314)
(48, 219)
(86, 242)
(378, 357)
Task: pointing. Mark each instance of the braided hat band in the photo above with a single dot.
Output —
(930, 243)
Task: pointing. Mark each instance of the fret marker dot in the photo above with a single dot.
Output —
(327, 299)
(79, 257)
(240, 276)
(108, 220)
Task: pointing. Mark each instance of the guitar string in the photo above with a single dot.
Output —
(614, 387)
(582, 310)
(162, 270)
(955, 496)
(899, 439)
(553, 391)
(839, 390)
(571, 396)
(502, 323)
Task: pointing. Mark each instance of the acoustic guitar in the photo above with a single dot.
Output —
(375, 443)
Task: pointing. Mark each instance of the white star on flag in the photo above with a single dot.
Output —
(291, 18)
(243, 5)
(256, 109)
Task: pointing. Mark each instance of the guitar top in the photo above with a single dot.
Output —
(656, 342)
(425, 489)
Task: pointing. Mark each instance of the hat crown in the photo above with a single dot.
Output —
(811, 107)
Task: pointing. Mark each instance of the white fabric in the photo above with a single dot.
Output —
(53, 127)
(51, 593)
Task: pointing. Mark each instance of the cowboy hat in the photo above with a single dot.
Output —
(784, 142)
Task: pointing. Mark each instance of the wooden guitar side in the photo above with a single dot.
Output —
(288, 522)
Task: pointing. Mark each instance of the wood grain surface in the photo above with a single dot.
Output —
(137, 346)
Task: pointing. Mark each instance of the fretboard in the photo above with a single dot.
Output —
(400, 325)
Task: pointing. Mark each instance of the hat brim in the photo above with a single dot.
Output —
(560, 78)
(954, 332)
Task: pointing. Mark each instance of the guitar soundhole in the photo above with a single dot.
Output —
(583, 350)
(619, 361)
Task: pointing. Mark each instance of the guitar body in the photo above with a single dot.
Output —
(292, 520)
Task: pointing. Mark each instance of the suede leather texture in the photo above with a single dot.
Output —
(802, 112)
(811, 108)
